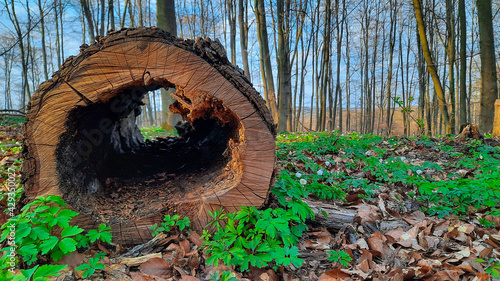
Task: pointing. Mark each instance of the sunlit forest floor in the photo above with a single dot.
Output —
(375, 208)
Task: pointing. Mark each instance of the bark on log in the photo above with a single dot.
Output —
(336, 217)
(81, 140)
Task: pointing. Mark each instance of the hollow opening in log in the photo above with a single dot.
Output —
(108, 172)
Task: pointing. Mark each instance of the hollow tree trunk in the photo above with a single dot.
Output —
(81, 140)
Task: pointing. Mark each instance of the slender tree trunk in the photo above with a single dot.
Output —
(141, 16)
(131, 14)
(58, 42)
(243, 23)
(24, 65)
(42, 35)
(392, 43)
(340, 35)
(431, 67)
(90, 22)
(266, 57)
(111, 14)
(284, 69)
(231, 14)
(166, 19)
(450, 26)
(61, 16)
(102, 32)
(489, 83)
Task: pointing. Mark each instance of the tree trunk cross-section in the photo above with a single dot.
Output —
(82, 142)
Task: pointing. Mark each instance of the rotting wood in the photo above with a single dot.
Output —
(81, 140)
(469, 131)
(139, 260)
(336, 217)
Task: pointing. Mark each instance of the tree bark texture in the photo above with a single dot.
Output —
(489, 83)
(81, 140)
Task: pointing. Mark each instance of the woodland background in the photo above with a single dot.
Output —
(320, 65)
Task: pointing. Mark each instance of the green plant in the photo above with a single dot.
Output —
(169, 222)
(340, 257)
(406, 110)
(38, 273)
(254, 237)
(493, 267)
(224, 276)
(486, 223)
(35, 227)
(92, 265)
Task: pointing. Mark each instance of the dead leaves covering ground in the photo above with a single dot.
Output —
(389, 238)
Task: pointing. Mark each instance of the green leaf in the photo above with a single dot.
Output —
(28, 273)
(57, 255)
(49, 244)
(23, 230)
(71, 231)
(99, 266)
(93, 235)
(29, 253)
(48, 270)
(106, 237)
(103, 227)
(39, 233)
(83, 266)
(67, 245)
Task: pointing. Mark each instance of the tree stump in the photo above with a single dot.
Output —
(81, 140)
(469, 131)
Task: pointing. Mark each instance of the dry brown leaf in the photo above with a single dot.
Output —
(378, 243)
(432, 241)
(448, 275)
(396, 274)
(414, 217)
(414, 257)
(368, 213)
(334, 274)
(178, 258)
(184, 245)
(466, 267)
(362, 244)
(194, 261)
(435, 264)
(269, 275)
(102, 248)
(74, 259)
(365, 261)
(422, 241)
(137, 276)
(441, 228)
(195, 238)
(482, 277)
(395, 233)
(189, 278)
(172, 247)
(423, 272)
(454, 268)
(157, 267)
(316, 245)
(485, 253)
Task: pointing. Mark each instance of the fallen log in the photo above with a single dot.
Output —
(82, 142)
(331, 216)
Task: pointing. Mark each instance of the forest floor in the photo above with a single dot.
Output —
(393, 208)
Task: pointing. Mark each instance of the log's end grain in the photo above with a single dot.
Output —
(81, 140)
